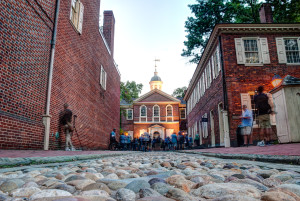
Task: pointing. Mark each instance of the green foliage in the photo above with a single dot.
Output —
(208, 13)
(179, 92)
(130, 91)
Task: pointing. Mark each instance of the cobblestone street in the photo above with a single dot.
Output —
(152, 176)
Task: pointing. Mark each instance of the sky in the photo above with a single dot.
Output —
(149, 29)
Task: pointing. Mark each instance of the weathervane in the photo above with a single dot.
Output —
(156, 60)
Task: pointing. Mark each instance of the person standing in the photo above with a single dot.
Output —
(264, 110)
(66, 121)
(122, 141)
(197, 139)
(112, 138)
(174, 140)
(247, 120)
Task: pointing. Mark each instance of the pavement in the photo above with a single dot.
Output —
(281, 153)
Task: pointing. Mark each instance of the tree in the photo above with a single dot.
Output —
(179, 92)
(130, 91)
(208, 13)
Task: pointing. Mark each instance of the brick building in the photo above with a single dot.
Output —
(155, 112)
(83, 73)
(237, 59)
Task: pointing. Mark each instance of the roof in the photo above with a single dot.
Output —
(155, 78)
(159, 92)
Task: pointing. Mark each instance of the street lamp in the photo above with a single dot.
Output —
(276, 80)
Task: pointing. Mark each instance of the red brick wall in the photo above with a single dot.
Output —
(25, 36)
(242, 79)
(239, 79)
(76, 76)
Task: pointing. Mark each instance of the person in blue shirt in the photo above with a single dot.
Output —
(122, 140)
(247, 122)
(190, 141)
(174, 141)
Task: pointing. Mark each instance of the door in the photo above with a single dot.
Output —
(221, 124)
(212, 129)
(281, 117)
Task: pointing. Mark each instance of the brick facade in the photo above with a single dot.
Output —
(25, 55)
(151, 99)
(239, 78)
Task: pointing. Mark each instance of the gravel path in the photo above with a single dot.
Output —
(159, 176)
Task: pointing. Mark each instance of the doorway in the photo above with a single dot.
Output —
(221, 124)
(212, 129)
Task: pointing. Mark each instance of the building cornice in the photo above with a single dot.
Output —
(236, 28)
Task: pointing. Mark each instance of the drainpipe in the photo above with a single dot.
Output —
(47, 116)
(225, 97)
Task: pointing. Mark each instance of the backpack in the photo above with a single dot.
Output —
(262, 105)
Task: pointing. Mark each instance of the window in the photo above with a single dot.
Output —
(129, 114)
(76, 14)
(103, 78)
(169, 111)
(288, 50)
(252, 51)
(204, 126)
(143, 111)
(216, 65)
(156, 111)
(182, 113)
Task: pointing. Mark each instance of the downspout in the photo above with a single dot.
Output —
(225, 97)
(47, 116)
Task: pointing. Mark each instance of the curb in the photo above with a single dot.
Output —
(15, 162)
(292, 160)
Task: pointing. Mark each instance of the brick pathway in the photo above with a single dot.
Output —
(279, 149)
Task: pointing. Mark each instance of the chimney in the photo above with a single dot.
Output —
(265, 13)
(109, 29)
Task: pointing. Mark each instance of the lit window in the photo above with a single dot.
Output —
(103, 78)
(129, 114)
(252, 51)
(76, 14)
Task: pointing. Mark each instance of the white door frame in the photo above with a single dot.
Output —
(212, 128)
(221, 124)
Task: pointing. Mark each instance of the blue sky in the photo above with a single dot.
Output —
(146, 29)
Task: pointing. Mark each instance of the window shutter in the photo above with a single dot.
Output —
(105, 79)
(280, 50)
(246, 100)
(71, 11)
(264, 50)
(219, 58)
(213, 66)
(81, 9)
(239, 50)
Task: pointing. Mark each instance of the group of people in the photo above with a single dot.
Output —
(264, 107)
(146, 143)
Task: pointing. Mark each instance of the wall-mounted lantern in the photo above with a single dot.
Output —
(276, 80)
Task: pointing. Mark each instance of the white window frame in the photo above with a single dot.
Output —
(141, 111)
(158, 113)
(77, 24)
(181, 109)
(103, 78)
(281, 51)
(167, 116)
(127, 112)
(263, 51)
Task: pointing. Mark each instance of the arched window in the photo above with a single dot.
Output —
(143, 111)
(169, 111)
(156, 111)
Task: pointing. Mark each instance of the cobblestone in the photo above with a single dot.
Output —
(152, 176)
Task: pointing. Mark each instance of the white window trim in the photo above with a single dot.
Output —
(184, 113)
(167, 112)
(78, 26)
(263, 51)
(127, 111)
(141, 111)
(158, 113)
(281, 52)
(103, 78)
(205, 127)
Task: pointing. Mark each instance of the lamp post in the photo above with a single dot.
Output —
(276, 80)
